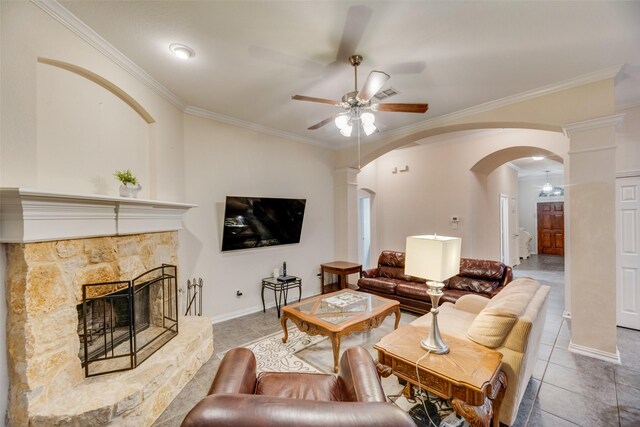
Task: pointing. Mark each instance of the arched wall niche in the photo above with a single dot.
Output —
(101, 81)
(87, 128)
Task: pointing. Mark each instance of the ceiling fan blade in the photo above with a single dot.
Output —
(312, 99)
(322, 123)
(401, 108)
(357, 19)
(374, 83)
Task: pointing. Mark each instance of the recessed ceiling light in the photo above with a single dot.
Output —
(537, 157)
(182, 51)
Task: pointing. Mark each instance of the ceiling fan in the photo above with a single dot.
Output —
(358, 103)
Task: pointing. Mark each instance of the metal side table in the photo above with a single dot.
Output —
(280, 286)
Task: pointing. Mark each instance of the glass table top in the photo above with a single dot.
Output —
(339, 307)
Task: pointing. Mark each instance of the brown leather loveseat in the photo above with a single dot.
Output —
(241, 397)
(479, 277)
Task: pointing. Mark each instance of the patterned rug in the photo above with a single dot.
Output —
(274, 355)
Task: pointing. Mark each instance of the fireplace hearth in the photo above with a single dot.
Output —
(122, 323)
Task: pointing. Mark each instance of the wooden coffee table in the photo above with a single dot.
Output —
(317, 316)
(469, 375)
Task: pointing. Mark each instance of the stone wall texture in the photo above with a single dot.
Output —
(44, 286)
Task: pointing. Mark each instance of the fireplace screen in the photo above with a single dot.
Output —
(122, 323)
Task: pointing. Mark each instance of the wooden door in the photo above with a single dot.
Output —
(551, 228)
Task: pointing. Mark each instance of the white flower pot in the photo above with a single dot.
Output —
(130, 190)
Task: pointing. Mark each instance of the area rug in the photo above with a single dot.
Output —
(274, 355)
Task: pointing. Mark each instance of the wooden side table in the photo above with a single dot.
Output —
(342, 269)
(470, 375)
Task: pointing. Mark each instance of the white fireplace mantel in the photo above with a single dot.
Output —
(28, 215)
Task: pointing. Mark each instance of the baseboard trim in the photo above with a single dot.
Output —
(566, 315)
(246, 311)
(595, 353)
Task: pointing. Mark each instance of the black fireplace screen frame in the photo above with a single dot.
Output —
(129, 320)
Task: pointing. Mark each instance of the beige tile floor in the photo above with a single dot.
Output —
(566, 389)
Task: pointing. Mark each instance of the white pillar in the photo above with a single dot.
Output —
(345, 190)
(591, 200)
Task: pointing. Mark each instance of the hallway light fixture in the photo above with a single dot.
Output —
(547, 187)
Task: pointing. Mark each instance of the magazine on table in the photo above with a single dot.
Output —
(345, 300)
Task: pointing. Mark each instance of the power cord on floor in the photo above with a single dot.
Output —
(424, 406)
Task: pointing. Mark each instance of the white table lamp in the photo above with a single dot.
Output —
(436, 258)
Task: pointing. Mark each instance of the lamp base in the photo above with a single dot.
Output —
(434, 349)
(433, 341)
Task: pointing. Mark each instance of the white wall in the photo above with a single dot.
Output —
(529, 189)
(222, 160)
(440, 184)
(62, 132)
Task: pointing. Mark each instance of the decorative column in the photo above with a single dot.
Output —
(345, 190)
(591, 200)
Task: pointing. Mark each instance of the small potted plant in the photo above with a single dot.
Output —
(130, 186)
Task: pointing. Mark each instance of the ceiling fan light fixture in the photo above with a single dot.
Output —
(341, 121)
(367, 118)
(182, 51)
(346, 131)
(368, 128)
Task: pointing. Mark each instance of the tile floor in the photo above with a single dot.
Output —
(566, 389)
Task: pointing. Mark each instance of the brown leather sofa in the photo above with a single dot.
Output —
(479, 277)
(240, 397)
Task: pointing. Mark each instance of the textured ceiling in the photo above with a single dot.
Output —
(252, 56)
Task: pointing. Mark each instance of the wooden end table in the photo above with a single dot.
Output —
(469, 375)
(316, 316)
(343, 269)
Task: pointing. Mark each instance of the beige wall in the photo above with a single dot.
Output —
(439, 184)
(628, 142)
(223, 160)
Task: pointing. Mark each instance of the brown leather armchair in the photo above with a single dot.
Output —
(239, 397)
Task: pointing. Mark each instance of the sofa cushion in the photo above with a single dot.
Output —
(472, 284)
(378, 284)
(481, 269)
(413, 290)
(452, 295)
(495, 321)
(391, 259)
(298, 386)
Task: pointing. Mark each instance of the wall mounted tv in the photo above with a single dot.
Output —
(253, 222)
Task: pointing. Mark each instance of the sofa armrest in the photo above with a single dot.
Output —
(372, 272)
(471, 303)
(358, 377)
(508, 276)
(251, 410)
(236, 374)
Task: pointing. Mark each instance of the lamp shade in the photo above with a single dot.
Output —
(432, 257)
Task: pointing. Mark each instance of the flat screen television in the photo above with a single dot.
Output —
(253, 222)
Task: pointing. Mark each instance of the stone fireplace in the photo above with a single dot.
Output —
(55, 244)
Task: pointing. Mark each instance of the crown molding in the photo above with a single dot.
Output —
(600, 122)
(206, 114)
(606, 73)
(73, 23)
(512, 166)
